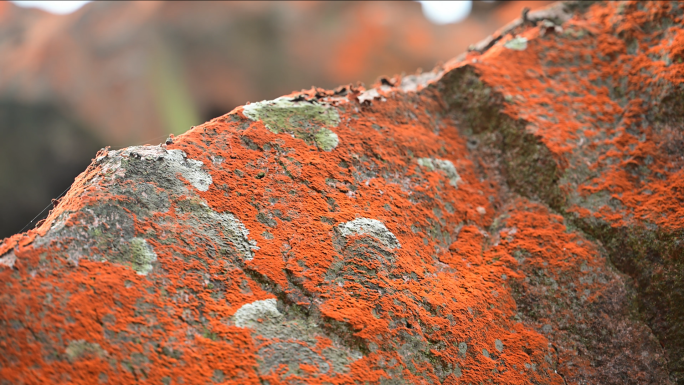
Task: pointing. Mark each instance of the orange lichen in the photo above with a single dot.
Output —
(244, 251)
(601, 94)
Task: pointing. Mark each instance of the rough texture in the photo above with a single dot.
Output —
(511, 218)
(123, 73)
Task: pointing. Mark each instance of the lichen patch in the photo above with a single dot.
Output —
(176, 160)
(443, 165)
(306, 120)
(372, 227)
(517, 43)
(8, 260)
(250, 314)
(82, 349)
(142, 256)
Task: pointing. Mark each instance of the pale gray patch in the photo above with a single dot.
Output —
(231, 227)
(227, 234)
(444, 165)
(340, 358)
(217, 160)
(498, 345)
(178, 161)
(249, 314)
(191, 169)
(462, 348)
(417, 82)
(143, 256)
(143, 152)
(9, 260)
(370, 95)
(518, 43)
(81, 348)
(218, 376)
(372, 227)
(291, 354)
(293, 331)
(240, 240)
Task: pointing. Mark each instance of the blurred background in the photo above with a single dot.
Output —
(78, 76)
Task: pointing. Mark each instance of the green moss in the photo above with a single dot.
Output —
(305, 120)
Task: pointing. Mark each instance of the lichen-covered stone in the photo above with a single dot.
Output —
(511, 218)
(304, 119)
(444, 165)
(142, 256)
(371, 227)
(256, 311)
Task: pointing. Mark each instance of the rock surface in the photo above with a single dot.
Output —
(513, 217)
(124, 73)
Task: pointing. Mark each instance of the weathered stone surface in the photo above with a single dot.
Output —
(511, 218)
(123, 73)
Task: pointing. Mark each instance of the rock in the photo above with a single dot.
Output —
(123, 73)
(513, 217)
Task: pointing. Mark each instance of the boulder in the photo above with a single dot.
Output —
(511, 217)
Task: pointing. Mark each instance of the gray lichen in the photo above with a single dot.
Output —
(142, 256)
(443, 165)
(372, 227)
(249, 314)
(81, 348)
(8, 260)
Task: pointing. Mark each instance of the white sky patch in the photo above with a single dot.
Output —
(446, 12)
(58, 7)
(438, 12)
